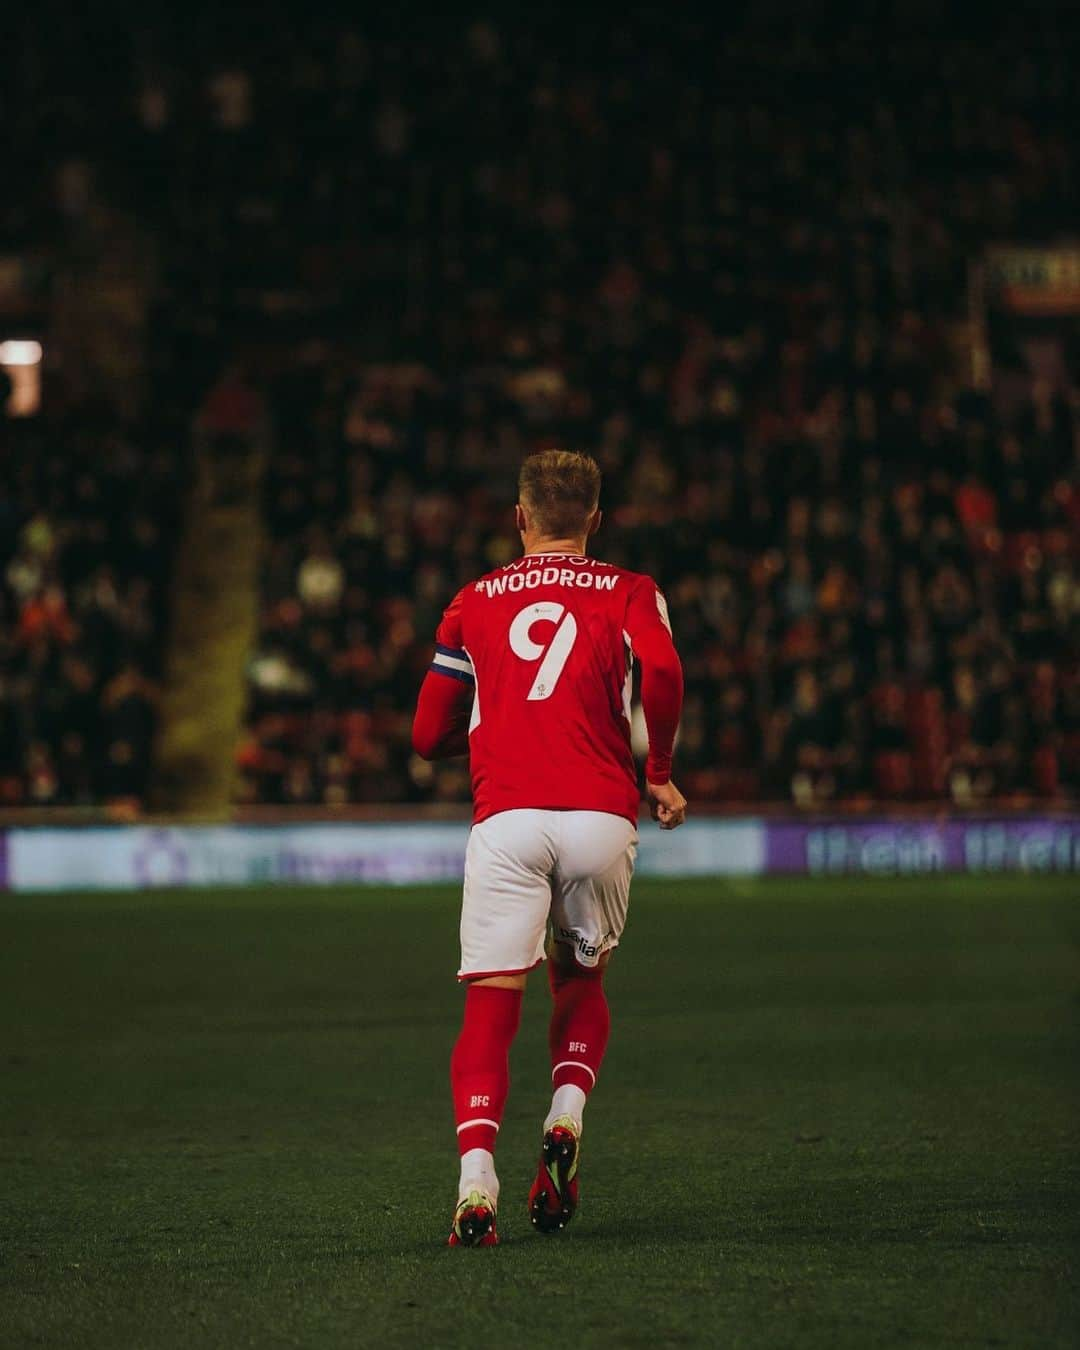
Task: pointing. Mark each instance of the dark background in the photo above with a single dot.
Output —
(731, 258)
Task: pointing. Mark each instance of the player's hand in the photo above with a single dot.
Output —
(667, 804)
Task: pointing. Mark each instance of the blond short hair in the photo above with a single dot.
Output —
(559, 490)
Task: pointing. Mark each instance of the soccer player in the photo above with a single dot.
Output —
(531, 677)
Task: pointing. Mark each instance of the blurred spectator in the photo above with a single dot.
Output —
(83, 607)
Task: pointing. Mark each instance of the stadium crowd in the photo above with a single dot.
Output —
(734, 269)
(87, 524)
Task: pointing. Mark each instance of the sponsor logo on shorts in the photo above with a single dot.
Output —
(584, 947)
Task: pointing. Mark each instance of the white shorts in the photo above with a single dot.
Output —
(524, 868)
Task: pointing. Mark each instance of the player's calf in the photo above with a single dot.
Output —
(577, 1035)
(480, 1080)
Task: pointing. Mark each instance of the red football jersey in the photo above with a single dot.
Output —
(547, 645)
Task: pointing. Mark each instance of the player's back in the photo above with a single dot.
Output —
(548, 640)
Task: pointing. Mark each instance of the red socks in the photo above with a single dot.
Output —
(479, 1065)
(580, 1023)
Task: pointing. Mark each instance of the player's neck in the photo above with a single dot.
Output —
(575, 547)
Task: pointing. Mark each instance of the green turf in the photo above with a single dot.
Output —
(833, 1114)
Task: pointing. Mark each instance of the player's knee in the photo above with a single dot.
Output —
(563, 965)
(499, 981)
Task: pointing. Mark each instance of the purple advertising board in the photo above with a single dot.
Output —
(899, 847)
(133, 857)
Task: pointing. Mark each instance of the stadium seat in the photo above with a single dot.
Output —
(1044, 771)
(893, 774)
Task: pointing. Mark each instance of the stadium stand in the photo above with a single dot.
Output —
(750, 303)
(87, 505)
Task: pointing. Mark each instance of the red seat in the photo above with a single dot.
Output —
(925, 704)
(959, 728)
(929, 771)
(893, 774)
(1019, 547)
(1044, 771)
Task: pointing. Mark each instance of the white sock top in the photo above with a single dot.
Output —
(568, 1100)
(478, 1174)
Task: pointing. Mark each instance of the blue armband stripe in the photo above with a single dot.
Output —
(462, 675)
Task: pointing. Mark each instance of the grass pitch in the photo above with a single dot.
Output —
(833, 1114)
